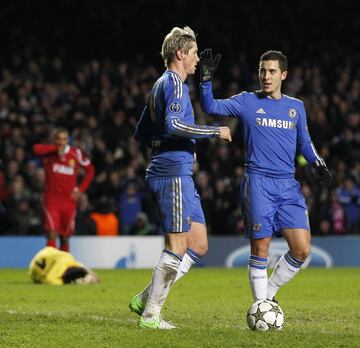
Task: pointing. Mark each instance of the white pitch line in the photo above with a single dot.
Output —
(62, 315)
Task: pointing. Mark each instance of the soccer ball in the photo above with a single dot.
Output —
(265, 315)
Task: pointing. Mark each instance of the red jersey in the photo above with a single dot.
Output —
(61, 171)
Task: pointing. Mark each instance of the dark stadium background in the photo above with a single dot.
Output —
(126, 29)
(115, 46)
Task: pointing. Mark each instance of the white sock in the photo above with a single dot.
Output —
(144, 295)
(162, 280)
(189, 259)
(285, 269)
(258, 277)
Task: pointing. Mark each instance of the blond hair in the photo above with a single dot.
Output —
(177, 39)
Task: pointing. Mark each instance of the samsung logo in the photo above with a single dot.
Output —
(61, 169)
(274, 123)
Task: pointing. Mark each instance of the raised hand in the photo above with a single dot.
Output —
(208, 64)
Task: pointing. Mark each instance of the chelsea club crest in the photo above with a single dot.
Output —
(292, 113)
(175, 107)
(256, 227)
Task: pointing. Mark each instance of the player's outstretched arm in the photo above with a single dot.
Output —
(220, 107)
(177, 127)
(232, 107)
(44, 149)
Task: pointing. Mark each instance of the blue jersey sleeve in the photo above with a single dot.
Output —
(176, 104)
(304, 143)
(222, 107)
(144, 131)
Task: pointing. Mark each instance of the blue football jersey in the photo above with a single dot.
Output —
(167, 126)
(274, 130)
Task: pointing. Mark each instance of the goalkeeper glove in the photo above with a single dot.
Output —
(208, 64)
(323, 174)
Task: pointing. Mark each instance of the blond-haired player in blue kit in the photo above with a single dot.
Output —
(274, 129)
(167, 126)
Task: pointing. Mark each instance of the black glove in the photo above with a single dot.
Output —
(323, 174)
(208, 64)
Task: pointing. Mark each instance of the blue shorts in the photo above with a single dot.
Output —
(178, 203)
(271, 204)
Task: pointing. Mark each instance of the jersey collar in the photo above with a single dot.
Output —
(67, 149)
(173, 72)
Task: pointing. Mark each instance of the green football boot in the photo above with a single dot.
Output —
(156, 324)
(137, 305)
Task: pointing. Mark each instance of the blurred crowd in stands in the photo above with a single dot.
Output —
(100, 100)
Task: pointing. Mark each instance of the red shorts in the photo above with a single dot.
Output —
(59, 216)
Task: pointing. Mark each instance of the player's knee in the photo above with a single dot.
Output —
(202, 249)
(305, 253)
(177, 248)
(301, 254)
(260, 249)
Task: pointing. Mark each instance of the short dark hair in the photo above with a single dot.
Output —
(73, 273)
(276, 55)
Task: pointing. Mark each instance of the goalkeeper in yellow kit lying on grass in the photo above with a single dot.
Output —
(56, 267)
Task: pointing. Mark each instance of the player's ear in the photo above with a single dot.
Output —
(179, 54)
(283, 75)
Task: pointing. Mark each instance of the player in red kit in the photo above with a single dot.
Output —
(61, 191)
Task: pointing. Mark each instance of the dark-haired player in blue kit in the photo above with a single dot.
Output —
(274, 128)
(167, 126)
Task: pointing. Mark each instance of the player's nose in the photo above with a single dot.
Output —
(267, 75)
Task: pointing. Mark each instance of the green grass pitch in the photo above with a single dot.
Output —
(322, 309)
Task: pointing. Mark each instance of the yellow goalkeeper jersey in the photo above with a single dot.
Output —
(49, 264)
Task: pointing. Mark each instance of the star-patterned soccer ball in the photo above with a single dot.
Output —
(265, 315)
